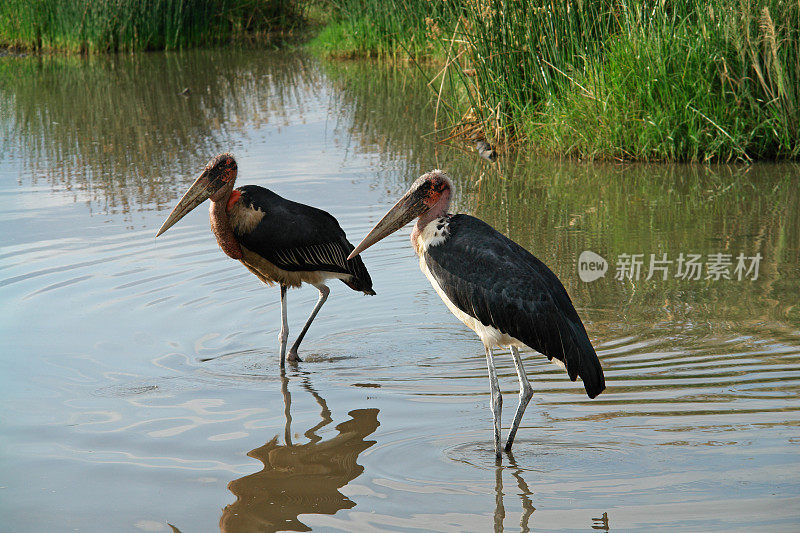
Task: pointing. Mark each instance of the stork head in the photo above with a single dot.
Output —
(215, 182)
(428, 197)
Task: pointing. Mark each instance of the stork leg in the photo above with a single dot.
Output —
(525, 394)
(324, 291)
(283, 336)
(497, 399)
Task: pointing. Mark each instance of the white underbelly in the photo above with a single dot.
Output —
(490, 336)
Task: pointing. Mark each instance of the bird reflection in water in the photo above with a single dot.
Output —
(525, 494)
(300, 478)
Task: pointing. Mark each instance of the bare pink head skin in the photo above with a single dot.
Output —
(438, 198)
(428, 198)
(215, 183)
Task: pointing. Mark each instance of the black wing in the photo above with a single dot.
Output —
(492, 278)
(298, 237)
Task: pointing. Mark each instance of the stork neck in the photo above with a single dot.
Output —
(438, 210)
(221, 226)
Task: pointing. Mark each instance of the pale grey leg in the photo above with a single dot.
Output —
(324, 291)
(283, 336)
(497, 399)
(525, 394)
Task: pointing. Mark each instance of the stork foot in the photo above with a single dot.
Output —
(292, 357)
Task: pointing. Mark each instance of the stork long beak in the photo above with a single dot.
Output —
(198, 193)
(407, 208)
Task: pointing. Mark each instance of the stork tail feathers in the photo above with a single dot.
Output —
(360, 280)
(588, 365)
(592, 375)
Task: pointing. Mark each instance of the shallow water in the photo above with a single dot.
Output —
(141, 386)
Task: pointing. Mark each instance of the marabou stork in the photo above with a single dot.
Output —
(278, 240)
(494, 286)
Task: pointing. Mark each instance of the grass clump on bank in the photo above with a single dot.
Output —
(130, 25)
(697, 81)
(693, 81)
(386, 30)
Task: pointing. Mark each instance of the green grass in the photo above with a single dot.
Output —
(598, 79)
(130, 25)
(691, 81)
(708, 85)
(386, 30)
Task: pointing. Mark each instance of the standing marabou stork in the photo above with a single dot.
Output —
(494, 286)
(278, 240)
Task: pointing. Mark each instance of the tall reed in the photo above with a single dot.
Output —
(111, 25)
(371, 28)
(651, 80)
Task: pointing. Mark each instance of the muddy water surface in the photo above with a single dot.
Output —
(140, 384)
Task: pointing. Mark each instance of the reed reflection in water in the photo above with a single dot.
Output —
(116, 130)
(300, 478)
